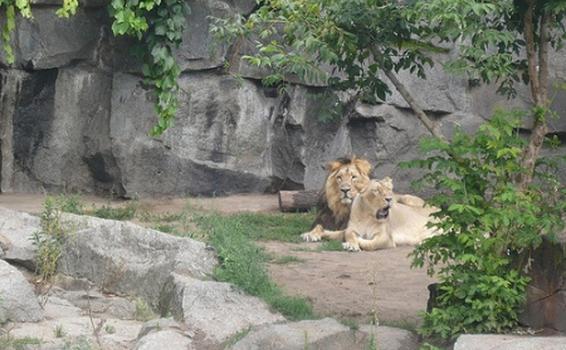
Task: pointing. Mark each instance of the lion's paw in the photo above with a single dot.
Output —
(313, 235)
(310, 237)
(351, 247)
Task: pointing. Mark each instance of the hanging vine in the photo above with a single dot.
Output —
(157, 24)
(10, 7)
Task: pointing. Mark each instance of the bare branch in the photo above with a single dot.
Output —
(430, 124)
(544, 43)
(529, 35)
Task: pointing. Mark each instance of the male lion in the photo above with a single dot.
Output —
(376, 222)
(346, 178)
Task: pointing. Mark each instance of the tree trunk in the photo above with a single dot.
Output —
(539, 86)
(292, 201)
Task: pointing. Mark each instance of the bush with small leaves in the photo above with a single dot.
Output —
(490, 225)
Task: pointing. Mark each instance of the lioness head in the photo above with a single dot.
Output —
(378, 196)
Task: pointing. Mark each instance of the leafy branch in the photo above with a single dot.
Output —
(158, 25)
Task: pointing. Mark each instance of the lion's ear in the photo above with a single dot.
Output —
(386, 181)
(333, 166)
(363, 166)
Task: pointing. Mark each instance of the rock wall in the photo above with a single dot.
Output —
(74, 115)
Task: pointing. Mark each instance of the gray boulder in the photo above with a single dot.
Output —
(78, 333)
(122, 257)
(160, 324)
(109, 306)
(16, 232)
(18, 303)
(214, 310)
(325, 334)
(391, 338)
(508, 342)
(170, 339)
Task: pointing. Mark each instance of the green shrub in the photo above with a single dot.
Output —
(49, 241)
(143, 311)
(489, 225)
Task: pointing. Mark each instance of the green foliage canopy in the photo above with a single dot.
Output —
(489, 35)
(357, 37)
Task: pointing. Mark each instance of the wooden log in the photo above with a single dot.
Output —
(292, 201)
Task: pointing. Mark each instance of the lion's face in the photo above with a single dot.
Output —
(348, 181)
(346, 178)
(379, 196)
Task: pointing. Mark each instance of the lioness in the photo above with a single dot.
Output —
(376, 222)
(346, 178)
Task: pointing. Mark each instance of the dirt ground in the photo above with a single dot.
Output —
(356, 286)
(32, 203)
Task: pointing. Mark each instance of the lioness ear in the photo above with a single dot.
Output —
(333, 166)
(363, 165)
(386, 181)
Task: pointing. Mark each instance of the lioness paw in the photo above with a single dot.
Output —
(351, 247)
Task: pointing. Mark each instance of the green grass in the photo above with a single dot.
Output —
(71, 203)
(166, 228)
(110, 329)
(127, 212)
(352, 324)
(243, 263)
(147, 216)
(236, 338)
(273, 227)
(80, 343)
(286, 259)
(332, 246)
(59, 331)
(408, 325)
(8, 342)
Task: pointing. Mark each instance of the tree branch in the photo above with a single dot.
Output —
(430, 124)
(539, 88)
(529, 35)
(544, 44)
